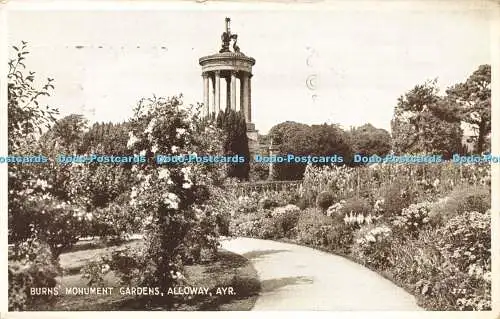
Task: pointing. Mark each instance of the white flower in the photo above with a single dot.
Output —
(150, 127)
(132, 139)
(174, 149)
(143, 153)
(370, 238)
(180, 132)
(359, 219)
(163, 173)
(154, 149)
(41, 183)
(346, 219)
(179, 275)
(148, 220)
(187, 185)
(105, 268)
(186, 171)
(368, 219)
(171, 200)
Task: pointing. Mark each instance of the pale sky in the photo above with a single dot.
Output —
(364, 57)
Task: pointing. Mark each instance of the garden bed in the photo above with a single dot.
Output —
(430, 238)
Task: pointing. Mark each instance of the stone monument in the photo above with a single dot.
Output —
(235, 68)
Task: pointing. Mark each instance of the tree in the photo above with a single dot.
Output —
(473, 98)
(368, 140)
(424, 122)
(108, 138)
(25, 114)
(303, 140)
(236, 141)
(330, 139)
(67, 133)
(39, 226)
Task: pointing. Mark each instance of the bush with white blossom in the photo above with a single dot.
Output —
(172, 198)
(372, 245)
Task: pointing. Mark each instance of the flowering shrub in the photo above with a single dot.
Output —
(413, 219)
(312, 227)
(285, 219)
(97, 185)
(419, 264)
(179, 223)
(466, 241)
(250, 228)
(372, 245)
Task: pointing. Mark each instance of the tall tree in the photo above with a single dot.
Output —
(369, 140)
(108, 138)
(473, 98)
(26, 115)
(66, 132)
(424, 122)
(236, 142)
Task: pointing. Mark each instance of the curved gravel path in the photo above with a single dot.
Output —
(294, 277)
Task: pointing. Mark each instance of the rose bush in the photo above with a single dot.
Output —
(178, 223)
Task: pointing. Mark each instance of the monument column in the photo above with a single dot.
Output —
(245, 96)
(217, 92)
(211, 96)
(242, 94)
(249, 98)
(205, 94)
(234, 106)
(228, 92)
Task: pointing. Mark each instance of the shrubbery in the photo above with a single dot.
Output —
(460, 200)
(431, 246)
(465, 241)
(285, 219)
(324, 200)
(372, 245)
(412, 219)
(31, 265)
(396, 196)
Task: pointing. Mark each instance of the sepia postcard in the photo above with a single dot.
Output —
(212, 157)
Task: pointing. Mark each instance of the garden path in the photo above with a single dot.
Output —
(294, 277)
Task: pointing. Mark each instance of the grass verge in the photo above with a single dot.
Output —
(228, 270)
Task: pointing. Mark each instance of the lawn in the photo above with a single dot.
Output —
(229, 270)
